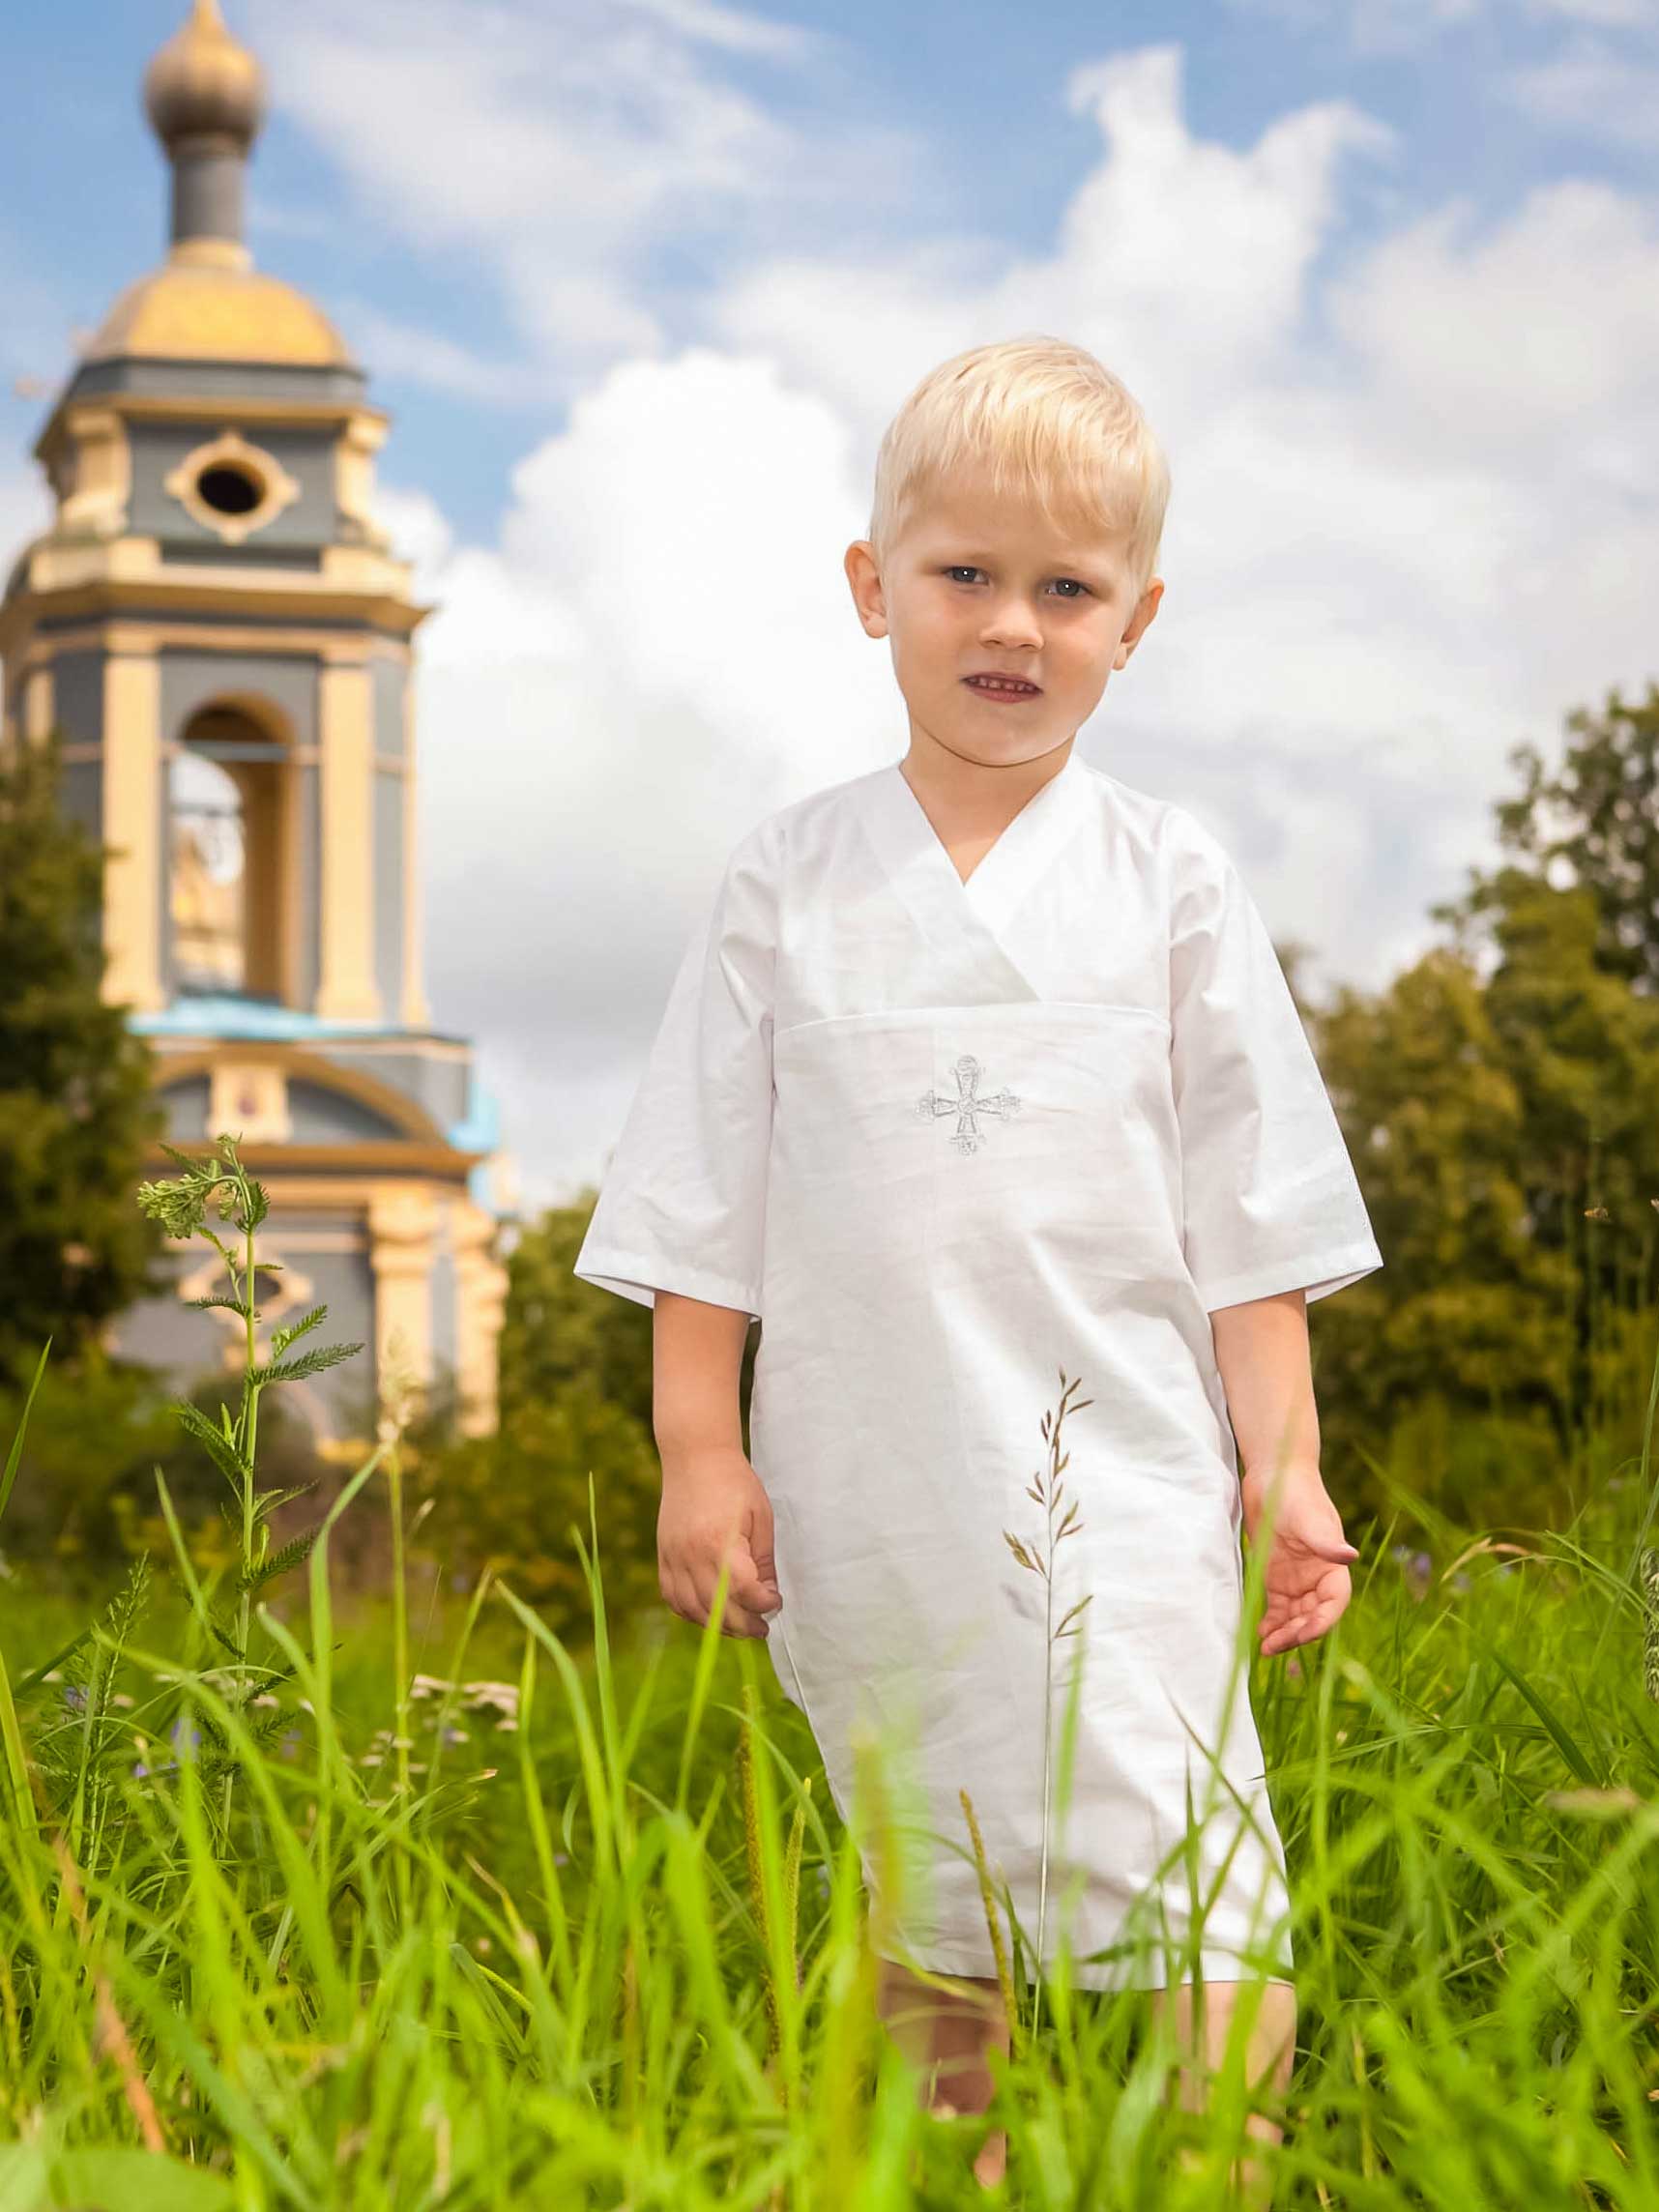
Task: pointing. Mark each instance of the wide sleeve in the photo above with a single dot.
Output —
(1269, 1197)
(682, 1205)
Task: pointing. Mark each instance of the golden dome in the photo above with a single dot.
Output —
(195, 308)
(203, 83)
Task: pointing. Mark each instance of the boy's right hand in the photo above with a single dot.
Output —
(714, 1501)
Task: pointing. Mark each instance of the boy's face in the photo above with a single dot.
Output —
(978, 585)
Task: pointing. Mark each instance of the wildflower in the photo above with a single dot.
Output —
(502, 1696)
(267, 1700)
(122, 1700)
(1294, 1667)
(183, 1737)
(1460, 1581)
(290, 1744)
(429, 1686)
(74, 1697)
(454, 1736)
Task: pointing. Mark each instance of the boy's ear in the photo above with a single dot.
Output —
(865, 580)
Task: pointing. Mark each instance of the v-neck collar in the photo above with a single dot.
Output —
(964, 924)
(1004, 874)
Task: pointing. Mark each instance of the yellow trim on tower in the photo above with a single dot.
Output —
(414, 1013)
(481, 1299)
(39, 704)
(101, 485)
(402, 1227)
(132, 824)
(346, 988)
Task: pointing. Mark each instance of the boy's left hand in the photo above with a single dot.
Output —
(1305, 1582)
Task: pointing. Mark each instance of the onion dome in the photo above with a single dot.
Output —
(202, 84)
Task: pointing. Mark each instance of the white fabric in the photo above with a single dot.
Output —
(946, 1139)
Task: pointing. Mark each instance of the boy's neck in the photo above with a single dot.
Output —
(967, 798)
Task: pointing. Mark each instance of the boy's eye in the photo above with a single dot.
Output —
(966, 569)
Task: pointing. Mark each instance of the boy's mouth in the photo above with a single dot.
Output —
(991, 687)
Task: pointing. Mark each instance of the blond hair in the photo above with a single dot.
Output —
(1044, 416)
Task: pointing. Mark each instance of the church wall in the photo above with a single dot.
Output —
(77, 696)
(389, 889)
(188, 1104)
(321, 1116)
(391, 678)
(308, 456)
(445, 1334)
(209, 380)
(389, 681)
(164, 1332)
(437, 1084)
(77, 709)
(343, 1282)
(310, 861)
(193, 680)
(325, 1261)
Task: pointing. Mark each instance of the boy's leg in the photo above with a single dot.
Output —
(946, 2034)
(1270, 2053)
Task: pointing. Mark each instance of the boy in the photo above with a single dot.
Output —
(984, 1068)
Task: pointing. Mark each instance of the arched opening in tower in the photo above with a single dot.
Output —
(228, 854)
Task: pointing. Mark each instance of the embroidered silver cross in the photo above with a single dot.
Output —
(967, 1105)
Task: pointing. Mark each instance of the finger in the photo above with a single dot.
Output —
(1313, 1624)
(737, 1619)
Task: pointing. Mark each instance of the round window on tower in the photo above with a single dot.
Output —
(231, 487)
(229, 490)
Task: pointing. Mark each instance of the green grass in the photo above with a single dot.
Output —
(359, 1947)
(556, 1983)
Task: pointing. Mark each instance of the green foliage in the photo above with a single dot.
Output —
(76, 1106)
(1594, 820)
(1497, 1100)
(575, 1399)
(600, 1930)
(599, 1926)
(508, 1500)
(558, 1331)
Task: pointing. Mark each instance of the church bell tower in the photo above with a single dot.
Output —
(216, 625)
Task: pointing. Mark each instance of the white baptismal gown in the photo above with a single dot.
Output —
(946, 1139)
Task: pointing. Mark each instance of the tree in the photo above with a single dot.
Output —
(1595, 823)
(575, 1399)
(76, 1105)
(1497, 1099)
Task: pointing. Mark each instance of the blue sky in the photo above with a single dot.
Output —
(641, 285)
(82, 183)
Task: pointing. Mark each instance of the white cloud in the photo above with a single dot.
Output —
(1413, 506)
(1415, 510)
(1592, 88)
(662, 649)
(1393, 27)
(563, 147)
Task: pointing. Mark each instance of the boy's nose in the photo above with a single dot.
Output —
(1012, 625)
